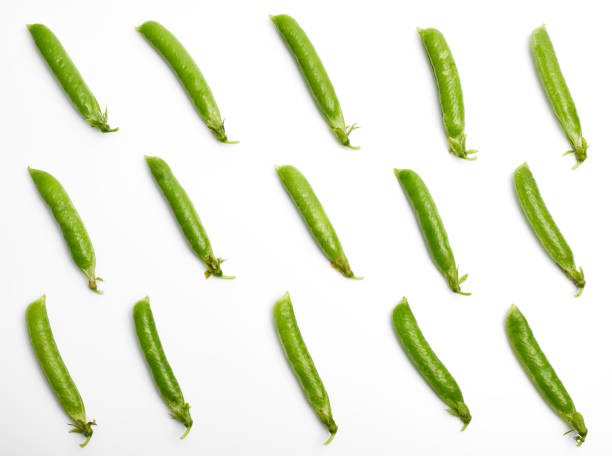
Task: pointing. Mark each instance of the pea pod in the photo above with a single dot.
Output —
(70, 223)
(158, 364)
(431, 225)
(52, 365)
(541, 373)
(314, 216)
(188, 73)
(544, 226)
(316, 77)
(449, 90)
(301, 363)
(186, 216)
(553, 82)
(427, 363)
(69, 77)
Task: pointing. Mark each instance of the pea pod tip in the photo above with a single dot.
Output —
(331, 437)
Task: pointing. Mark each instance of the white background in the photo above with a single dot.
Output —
(218, 335)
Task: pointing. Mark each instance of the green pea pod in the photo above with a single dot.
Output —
(449, 90)
(186, 216)
(69, 77)
(52, 365)
(188, 73)
(158, 364)
(70, 223)
(314, 216)
(541, 373)
(301, 363)
(558, 94)
(316, 77)
(432, 228)
(544, 226)
(427, 363)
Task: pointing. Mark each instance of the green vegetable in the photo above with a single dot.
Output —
(52, 365)
(186, 216)
(301, 363)
(427, 363)
(70, 223)
(314, 216)
(544, 226)
(315, 76)
(449, 90)
(558, 94)
(69, 77)
(158, 364)
(188, 73)
(541, 373)
(431, 225)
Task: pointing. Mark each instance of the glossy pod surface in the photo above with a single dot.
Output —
(186, 216)
(544, 226)
(301, 363)
(427, 363)
(188, 73)
(558, 94)
(315, 75)
(314, 216)
(541, 373)
(449, 89)
(69, 77)
(431, 226)
(52, 365)
(161, 371)
(70, 223)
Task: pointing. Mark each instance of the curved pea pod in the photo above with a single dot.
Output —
(56, 372)
(432, 227)
(70, 223)
(544, 226)
(188, 72)
(314, 216)
(541, 373)
(553, 82)
(449, 90)
(316, 77)
(301, 363)
(162, 373)
(427, 363)
(69, 77)
(186, 216)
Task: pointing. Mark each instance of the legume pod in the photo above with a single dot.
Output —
(301, 363)
(315, 75)
(558, 94)
(544, 226)
(427, 363)
(69, 77)
(541, 373)
(52, 365)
